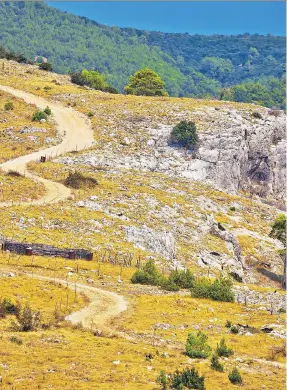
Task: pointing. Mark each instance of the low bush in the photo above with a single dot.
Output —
(215, 364)
(76, 180)
(16, 340)
(46, 66)
(186, 379)
(232, 208)
(48, 111)
(219, 290)
(184, 133)
(148, 275)
(38, 115)
(27, 319)
(7, 307)
(90, 114)
(223, 350)
(196, 345)
(235, 377)
(14, 173)
(8, 106)
(228, 324)
(234, 329)
(183, 278)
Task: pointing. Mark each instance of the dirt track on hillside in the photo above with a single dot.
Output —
(76, 133)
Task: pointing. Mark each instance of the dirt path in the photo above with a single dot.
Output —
(102, 308)
(76, 134)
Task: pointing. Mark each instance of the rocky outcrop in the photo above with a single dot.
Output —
(235, 151)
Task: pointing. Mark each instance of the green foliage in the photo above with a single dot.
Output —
(269, 92)
(183, 278)
(92, 79)
(45, 66)
(27, 319)
(196, 345)
(76, 180)
(38, 115)
(7, 307)
(228, 324)
(90, 114)
(279, 228)
(234, 329)
(222, 350)
(186, 379)
(8, 106)
(48, 111)
(162, 380)
(215, 364)
(232, 208)
(146, 82)
(16, 340)
(184, 133)
(235, 377)
(148, 275)
(219, 290)
(190, 65)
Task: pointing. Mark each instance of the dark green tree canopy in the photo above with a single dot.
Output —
(279, 228)
(184, 133)
(146, 82)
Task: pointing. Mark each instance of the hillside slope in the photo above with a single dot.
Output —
(190, 65)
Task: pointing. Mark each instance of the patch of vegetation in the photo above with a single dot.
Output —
(146, 82)
(218, 290)
(13, 173)
(234, 329)
(223, 350)
(90, 114)
(184, 133)
(77, 180)
(235, 377)
(7, 307)
(148, 275)
(186, 379)
(215, 364)
(16, 340)
(256, 114)
(27, 319)
(48, 111)
(8, 106)
(228, 324)
(92, 79)
(46, 66)
(196, 346)
(38, 115)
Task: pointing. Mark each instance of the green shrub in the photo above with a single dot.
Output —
(16, 340)
(38, 115)
(27, 319)
(162, 380)
(8, 106)
(219, 290)
(48, 111)
(235, 377)
(222, 350)
(188, 378)
(7, 307)
(184, 133)
(232, 208)
(76, 180)
(183, 279)
(90, 114)
(196, 345)
(228, 324)
(234, 329)
(146, 82)
(148, 275)
(169, 285)
(46, 66)
(215, 364)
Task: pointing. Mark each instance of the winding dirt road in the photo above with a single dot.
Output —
(76, 134)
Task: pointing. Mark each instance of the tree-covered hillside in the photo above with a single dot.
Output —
(189, 65)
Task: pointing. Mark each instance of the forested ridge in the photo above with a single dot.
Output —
(190, 65)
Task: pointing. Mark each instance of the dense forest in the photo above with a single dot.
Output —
(190, 65)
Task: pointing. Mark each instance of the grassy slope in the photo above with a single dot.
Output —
(85, 360)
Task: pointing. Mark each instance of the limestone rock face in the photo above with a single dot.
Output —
(245, 156)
